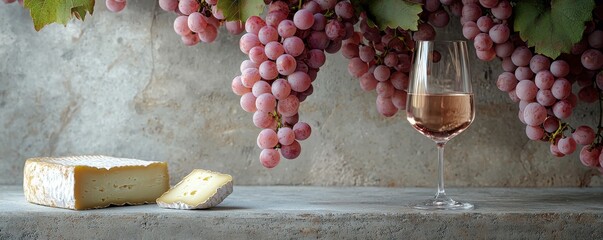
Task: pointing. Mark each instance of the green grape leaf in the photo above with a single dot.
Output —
(44, 12)
(391, 13)
(235, 10)
(552, 27)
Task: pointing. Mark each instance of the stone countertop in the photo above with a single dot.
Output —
(283, 212)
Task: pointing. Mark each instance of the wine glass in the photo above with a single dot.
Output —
(440, 104)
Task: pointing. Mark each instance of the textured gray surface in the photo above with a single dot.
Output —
(322, 212)
(123, 85)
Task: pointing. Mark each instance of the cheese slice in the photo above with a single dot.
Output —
(86, 182)
(198, 190)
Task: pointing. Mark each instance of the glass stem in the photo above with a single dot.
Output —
(441, 195)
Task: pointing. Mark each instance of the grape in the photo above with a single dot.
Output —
(526, 90)
(534, 114)
(334, 46)
(588, 94)
(425, 32)
(303, 19)
(385, 89)
(356, 67)
(168, 5)
(599, 80)
(257, 55)
(291, 151)
(506, 81)
(560, 68)
(248, 102)
(286, 28)
(488, 3)
(590, 156)
(503, 10)
(470, 30)
(316, 58)
(286, 64)
(262, 119)
(382, 73)
(274, 18)
(390, 60)
(320, 21)
(302, 131)
(260, 88)
(545, 98)
(265, 102)
(471, 12)
(484, 23)
(499, 33)
(584, 135)
(432, 5)
(281, 89)
(555, 151)
(456, 8)
(507, 64)
(234, 27)
(278, 6)
(482, 42)
(487, 55)
(196, 22)
(561, 88)
(566, 145)
(504, 50)
(335, 30)
(293, 45)
(326, 4)
(572, 100)
(248, 64)
(112, 5)
(270, 158)
(385, 106)
(595, 39)
(250, 76)
(268, 70)
(399, 99)
(366, 53)
(521, 56)
(273, 50)
(534, 132)
(551, 124)
(302, 67)
(439, 18)
(544, 79)
(190, 40)
(523, 73)
(268, 34)
(181, 26)
(300, 81)
(562, 109)
(237, 86)
(187, 7)
(350, 50)
(318, 40)
(254, 24)
(368, 82)
(344, 10)
(288, 106)
(209, 35)
(286, 136)
(248, 41)
(513, 96)
(539, 63)
(267, 139)
(592, 59)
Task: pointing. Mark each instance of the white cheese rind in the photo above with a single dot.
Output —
(216, 194)
(93, 181)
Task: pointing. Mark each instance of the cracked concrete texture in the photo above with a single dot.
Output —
(123, 85)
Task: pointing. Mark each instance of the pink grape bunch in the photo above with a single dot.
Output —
(286, 50)
(381, 60)
(542, 86)
(199, 20)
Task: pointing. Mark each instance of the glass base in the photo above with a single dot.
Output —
(441, 204)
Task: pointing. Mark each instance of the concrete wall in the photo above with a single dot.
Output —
(123, 85)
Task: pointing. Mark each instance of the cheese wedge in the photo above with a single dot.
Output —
(198, 190)
(86, 182)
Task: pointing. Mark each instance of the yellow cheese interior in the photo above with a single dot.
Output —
(196, 188)
(101, 187)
